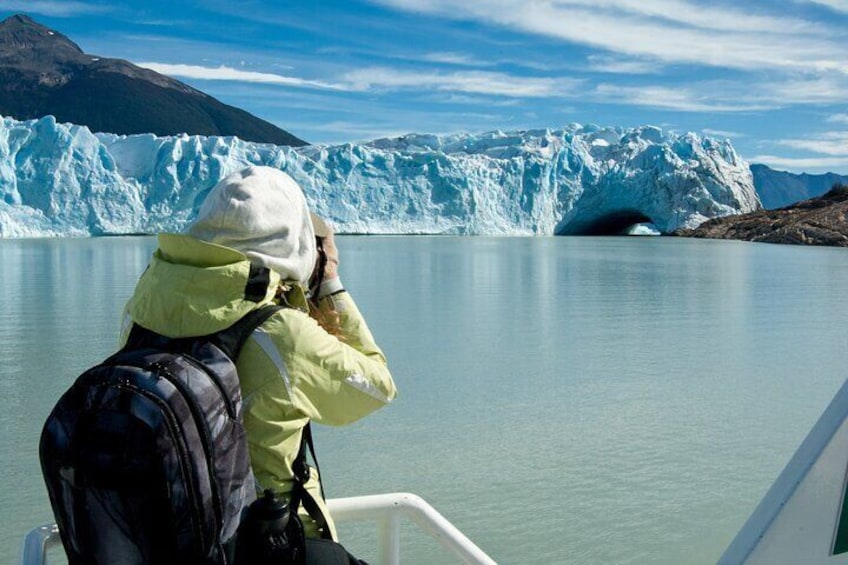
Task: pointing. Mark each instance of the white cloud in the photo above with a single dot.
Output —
(838, 119)
(838, 5)
(618, 65)
(716, 17)
(675, 31)
(674, 98)
(230, 74)
(55, 8)
(469, 82)
(705, 96)
(827, 151)
(722, 133)
(455, 59)
(802, 163)
(390, 79)
(833, 143)
(727, 96)
(825, 90)
(472, 100)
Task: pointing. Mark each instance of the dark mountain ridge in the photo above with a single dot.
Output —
(777, 189)
(42, 72)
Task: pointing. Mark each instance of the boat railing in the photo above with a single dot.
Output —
(386, 510)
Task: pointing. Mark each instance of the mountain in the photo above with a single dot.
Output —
(62, 180)
(816, 221)
(779, 188)
(42, 72)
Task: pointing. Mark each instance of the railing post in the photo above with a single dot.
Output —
(36, 543)
(389, 540)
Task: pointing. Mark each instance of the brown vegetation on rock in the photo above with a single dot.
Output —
(817, 221)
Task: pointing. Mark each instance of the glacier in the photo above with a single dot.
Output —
(63, 180)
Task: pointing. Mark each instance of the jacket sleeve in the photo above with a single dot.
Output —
(334, 380)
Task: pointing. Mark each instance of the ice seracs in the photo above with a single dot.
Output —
(61, 179)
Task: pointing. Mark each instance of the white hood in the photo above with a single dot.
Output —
(262, 212)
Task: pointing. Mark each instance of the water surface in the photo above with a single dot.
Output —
(562, 400)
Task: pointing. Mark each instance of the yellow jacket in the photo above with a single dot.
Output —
(291, 370)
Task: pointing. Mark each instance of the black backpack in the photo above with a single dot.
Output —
(145, 456)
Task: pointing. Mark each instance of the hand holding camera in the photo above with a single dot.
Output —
(325, 278)
(327, 265)
(331, 267)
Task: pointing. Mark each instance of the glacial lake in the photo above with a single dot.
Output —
(562, 400)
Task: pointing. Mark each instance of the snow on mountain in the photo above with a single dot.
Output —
(62, 180)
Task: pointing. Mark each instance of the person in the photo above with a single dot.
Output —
(254, 242)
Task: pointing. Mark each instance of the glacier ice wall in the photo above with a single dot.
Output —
(62, 180)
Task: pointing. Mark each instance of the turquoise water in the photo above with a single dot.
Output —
(562, 400)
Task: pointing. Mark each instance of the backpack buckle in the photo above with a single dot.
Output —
(301, 471)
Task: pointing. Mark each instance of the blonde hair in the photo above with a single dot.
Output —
(327, 317)
(324, 313)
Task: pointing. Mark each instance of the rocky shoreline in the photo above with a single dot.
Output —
(817, 221)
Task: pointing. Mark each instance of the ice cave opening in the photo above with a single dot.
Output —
(619, 222)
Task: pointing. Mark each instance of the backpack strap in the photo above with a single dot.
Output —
(307, 439)
(232, 339)
(229, 340)
(257, 283)
(299, 493)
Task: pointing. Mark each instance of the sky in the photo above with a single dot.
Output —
(770, 76)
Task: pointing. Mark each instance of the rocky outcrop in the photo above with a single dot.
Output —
(817, 221)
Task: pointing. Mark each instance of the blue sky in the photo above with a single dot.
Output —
(770, 76)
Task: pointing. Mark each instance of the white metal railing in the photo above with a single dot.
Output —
(36, 544)
(386, 510)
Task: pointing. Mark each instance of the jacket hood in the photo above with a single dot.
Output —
(262, 212)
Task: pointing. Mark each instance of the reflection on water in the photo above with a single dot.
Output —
(562, 400)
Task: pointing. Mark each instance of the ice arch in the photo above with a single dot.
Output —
(609, 223)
